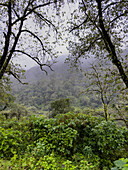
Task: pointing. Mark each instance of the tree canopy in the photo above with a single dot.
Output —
(100, 28)
(25, 28)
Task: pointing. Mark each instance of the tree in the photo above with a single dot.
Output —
(60, 106)
(18, 37)
(15, 110)
(100, 28)
(101, 81)
(5, 93)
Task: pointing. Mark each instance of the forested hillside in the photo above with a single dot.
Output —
(92, 89)
(63, 82)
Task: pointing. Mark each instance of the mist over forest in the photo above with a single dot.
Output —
(62, 82)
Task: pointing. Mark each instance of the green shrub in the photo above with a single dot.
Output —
(108, 143)
(15, 136)
(79, 140)
(47, 162)
(97, 138)
(9, 142)
(59, 139)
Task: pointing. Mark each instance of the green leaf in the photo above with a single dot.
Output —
(119, 163)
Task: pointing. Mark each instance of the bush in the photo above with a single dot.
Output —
(15, 136)
(97, 138)
(47, 162)
(79, 140)
(109, 142)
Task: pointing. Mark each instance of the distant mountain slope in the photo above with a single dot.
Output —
(60, 83)
(35, 73)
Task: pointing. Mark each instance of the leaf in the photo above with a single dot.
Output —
(115, 168)
(119, 163)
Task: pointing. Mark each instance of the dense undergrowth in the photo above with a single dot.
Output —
(68, 141)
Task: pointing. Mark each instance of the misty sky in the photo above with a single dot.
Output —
(26, 62)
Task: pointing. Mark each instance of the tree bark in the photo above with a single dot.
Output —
(110, 46)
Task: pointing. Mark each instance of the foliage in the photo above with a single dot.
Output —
(60, 106)
(6, 96)
(16, 33)
(121, 164)
(104, 84)
(61, 84)
(15, 110)
(99, 30)
(15, 137)
(85, 92)
(69, 140)
(100, 137)
(109, 140)
(120, 107)
(47, 162)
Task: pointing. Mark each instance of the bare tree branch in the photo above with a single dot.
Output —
(121, 15)
(13, 34)
(30, 11)
(13, 16)
(1, 4)
(113, 3)
(35, 36)
(16, 13)
(76, 27)
(94, 90)
(36, 59)
(87, 48)
(16, 76)
(45, 19)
